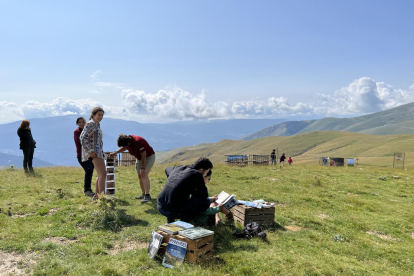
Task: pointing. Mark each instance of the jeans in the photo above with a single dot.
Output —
(88, 168)
(272, 161)
(28, 158)
(191, 209)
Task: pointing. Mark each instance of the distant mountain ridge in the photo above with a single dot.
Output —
(54, 135)
(398, 120)
(6, 160)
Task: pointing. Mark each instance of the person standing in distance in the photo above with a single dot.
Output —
(27, 145)
(273, 157)
(282, 159)
(87, 165)
(92, 146)
(145, 155)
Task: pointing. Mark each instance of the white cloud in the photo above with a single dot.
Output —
(362, 96)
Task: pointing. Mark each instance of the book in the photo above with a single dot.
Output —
(170, 228)
(195, 233)
(175, 253)
(227, 200)
(253, 204)
(230, 203)
(154, 244)
(183, 224)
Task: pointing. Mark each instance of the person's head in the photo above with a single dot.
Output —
(204, 165)
(25, 124)
(97, 114)
(274, 150)
(207, 178)
(80, 121)
(283, 154)
(290, 157)
(123, 140)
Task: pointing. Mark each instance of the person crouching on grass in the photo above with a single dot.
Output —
(92, 146)
(87, 165)
(145, 155)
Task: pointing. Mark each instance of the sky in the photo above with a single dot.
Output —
(161, 61)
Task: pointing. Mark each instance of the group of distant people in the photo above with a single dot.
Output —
(281, 159)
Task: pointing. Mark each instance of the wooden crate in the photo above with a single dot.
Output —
(244, 215)
(197, 250)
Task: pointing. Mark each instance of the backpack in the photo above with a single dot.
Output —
(252, 229)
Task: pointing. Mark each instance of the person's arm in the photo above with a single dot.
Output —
(200, 187)
(87, 132)
(112, 154)
(76, 136)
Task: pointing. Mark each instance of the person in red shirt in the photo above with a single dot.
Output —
(145, 155)
(290, 160)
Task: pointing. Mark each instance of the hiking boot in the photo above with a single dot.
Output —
(230, 216)
(146, 199)
(89, 193)
(140, 197)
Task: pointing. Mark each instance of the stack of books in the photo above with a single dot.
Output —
(186, 230)
(173, 228)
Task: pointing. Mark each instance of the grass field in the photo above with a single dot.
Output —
(329, 221)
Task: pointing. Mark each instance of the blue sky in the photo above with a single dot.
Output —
(178, 60)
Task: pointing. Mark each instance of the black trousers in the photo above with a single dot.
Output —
(28, 158)
(88, 167)
(191, 209)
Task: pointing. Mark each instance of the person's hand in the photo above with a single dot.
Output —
(221, 204)
(93, 154)
(213, 198)
(112, 154)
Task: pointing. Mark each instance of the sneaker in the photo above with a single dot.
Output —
(89, 193)
(230, 216)
(140, 197)
(146, 199)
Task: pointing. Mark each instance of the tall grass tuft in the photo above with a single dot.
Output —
(107, 216)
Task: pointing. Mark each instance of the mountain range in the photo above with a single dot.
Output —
(398, 120)
(55, 145)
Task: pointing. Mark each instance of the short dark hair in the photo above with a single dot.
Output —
(123, 140)
(80, 118)
(203, 163)
(210, 172)
(96, 110)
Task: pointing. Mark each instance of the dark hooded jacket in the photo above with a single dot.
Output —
(182, 182)
(26, 138)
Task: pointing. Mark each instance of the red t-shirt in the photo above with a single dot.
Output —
(139, 145)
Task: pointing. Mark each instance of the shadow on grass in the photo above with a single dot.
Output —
(275, 226)
(121, 202)
(154, 208)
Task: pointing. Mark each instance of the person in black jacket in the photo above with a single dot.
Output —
(27, 145)
(282, 159)
(185, 194)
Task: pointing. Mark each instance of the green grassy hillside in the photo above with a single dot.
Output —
(307, 148)
(328, 221)
(380, 123)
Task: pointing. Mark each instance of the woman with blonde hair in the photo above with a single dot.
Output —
(92, 146)
(27, 145)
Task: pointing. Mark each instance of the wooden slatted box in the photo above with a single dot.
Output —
(244, 215)
(197, 250)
